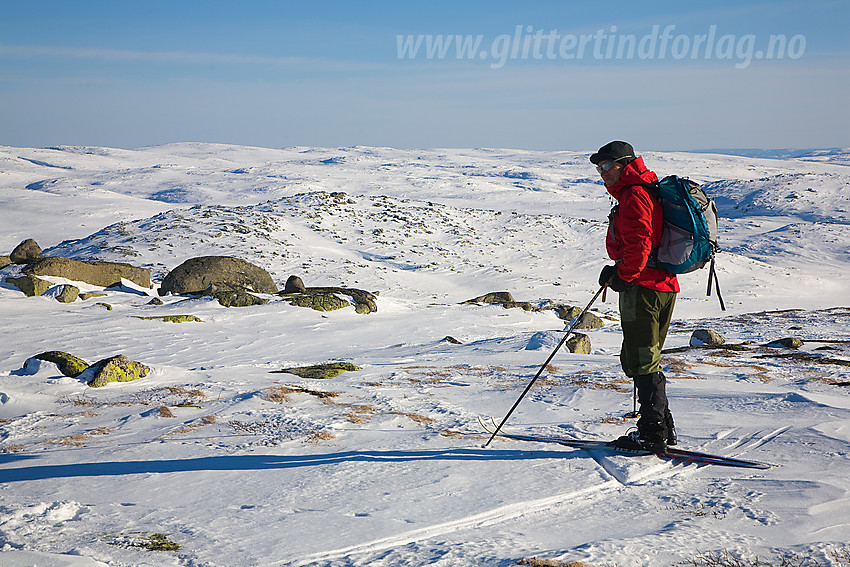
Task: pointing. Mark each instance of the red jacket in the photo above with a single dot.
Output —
(635, 229)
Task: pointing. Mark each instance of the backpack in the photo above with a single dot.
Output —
(689, 236)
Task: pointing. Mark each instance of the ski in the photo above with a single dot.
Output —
(672, 453)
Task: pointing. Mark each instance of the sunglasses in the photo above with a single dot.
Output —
(609, 165)
(605, 166)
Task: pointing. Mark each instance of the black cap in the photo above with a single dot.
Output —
(615, 151)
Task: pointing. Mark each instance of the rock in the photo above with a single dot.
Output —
(496, 297)
(319, 301)
(4, 261)
(294, 285)
(30, 285)
(114, 369)
(587, 321)
(319, 371)
(68, 293)
(578, 344)
(326, 299)
(92, 295)
(106, 305)
(68, 364)
(25, 252)
(239, 298)
(787, 342)
(226, 273)
(102, 274)
(155, 301)
(452, 340)
(706, 337)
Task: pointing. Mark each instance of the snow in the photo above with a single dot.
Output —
(385, 465)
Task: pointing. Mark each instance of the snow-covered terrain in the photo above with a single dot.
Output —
(240, 466)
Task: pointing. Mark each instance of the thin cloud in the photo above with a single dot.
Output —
(128, 55)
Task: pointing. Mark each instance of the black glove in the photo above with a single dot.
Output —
(611, 277)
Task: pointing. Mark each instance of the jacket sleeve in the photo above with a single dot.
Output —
(636, 208)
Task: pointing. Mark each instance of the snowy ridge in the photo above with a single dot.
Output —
(384, 466)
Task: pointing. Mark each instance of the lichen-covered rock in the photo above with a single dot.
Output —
(102, 274)
(114, 369)
(155, 301)
(319, 301)
(92, 295)
(4, 261)
(706, 337)
(29, 284)
(319, 371)
(172, 318)
(587, 321)
(106, 305)
(578, 344)
(235, 298)
(25, 252)
(787, 342)
(227, 273)
(68, 293)
(68, 364)
(493, 298)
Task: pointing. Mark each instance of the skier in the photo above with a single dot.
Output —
(646, 294)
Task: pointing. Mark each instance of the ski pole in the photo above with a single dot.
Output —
(573, 323)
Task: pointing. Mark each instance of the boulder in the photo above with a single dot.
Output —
(294, 285)
(102, 274)
(25, 252)
(68, 293)
(226, 273)
(578, 344)
(587, 321)
(4, 261)
(706, 337)
(68, 364)
(114, 369)
(30, 285)
(787, 342)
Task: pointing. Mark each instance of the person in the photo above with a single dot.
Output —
(646, 294)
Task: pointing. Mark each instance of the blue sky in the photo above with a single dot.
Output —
(542, 75)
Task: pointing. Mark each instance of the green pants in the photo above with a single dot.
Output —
(645, 317)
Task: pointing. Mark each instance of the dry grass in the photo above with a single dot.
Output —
(79, 439)
(360, 413)
(280, 393)
(12, 448)
(452, 434)
(165, 411)
(319, 436)
(424, 420)
(535, 562)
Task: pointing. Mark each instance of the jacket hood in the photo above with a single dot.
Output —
(635, 173)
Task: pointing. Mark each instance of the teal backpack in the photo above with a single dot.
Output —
(689, 237)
